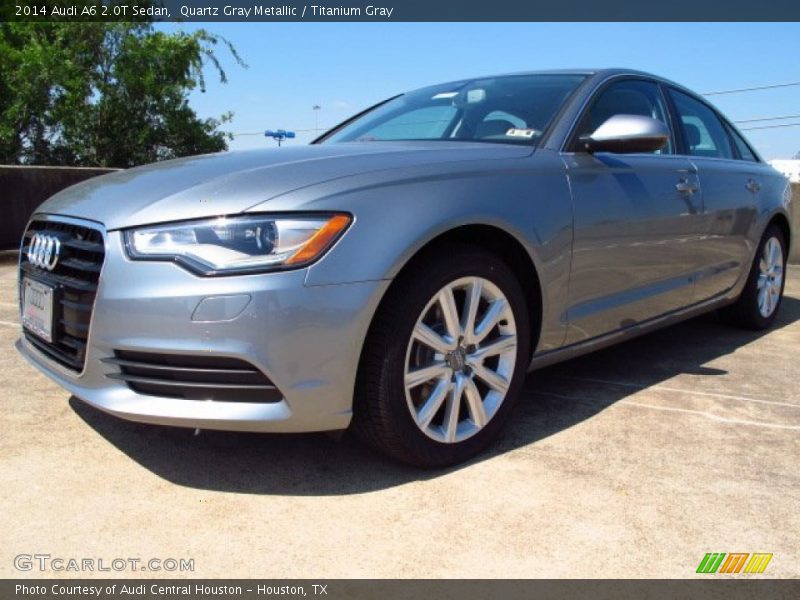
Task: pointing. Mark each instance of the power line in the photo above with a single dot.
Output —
(752, 89)
(768, 119)
(771, 126)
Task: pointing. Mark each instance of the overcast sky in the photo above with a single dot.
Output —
(345, 67)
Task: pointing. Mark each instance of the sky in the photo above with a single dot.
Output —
(346, 67)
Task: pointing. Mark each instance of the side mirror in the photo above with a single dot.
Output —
(626, 134)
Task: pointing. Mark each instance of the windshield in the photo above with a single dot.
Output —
(514, 109)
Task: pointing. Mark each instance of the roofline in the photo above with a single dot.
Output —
(586, 72)
(597, 74)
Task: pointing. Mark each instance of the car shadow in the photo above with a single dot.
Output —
(316, 464)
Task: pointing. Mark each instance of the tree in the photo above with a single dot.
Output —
(104, 94)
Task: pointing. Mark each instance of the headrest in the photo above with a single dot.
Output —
(692, 135)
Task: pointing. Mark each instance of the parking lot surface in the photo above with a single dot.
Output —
(631, 462)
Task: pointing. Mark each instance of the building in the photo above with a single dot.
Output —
(789, 167)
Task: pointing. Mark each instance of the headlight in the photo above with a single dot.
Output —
(240, 244)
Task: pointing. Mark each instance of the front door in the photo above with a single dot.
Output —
(637, 223)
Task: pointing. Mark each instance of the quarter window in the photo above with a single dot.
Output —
(627, 97)
(703, 132)
(745, 153)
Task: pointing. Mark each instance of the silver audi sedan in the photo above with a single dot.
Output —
(401, 275)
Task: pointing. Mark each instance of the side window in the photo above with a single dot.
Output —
(627, 97)
(703, 132)
(745, 153)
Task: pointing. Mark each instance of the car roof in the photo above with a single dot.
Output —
(599, 74)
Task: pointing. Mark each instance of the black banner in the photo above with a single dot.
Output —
(340, 589)
(401, 10)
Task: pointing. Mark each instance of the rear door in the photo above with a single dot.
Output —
(731, 178)
(637, 222)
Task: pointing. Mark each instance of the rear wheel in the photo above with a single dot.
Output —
(445, 358)
(761, 297)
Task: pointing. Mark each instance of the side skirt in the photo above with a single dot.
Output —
(551, 357)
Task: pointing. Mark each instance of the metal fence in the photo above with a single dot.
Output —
(25, 188)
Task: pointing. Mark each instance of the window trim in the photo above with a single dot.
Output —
(571, 140)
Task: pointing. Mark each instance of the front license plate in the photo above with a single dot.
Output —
(37, 308)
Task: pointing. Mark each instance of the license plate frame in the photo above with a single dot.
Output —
(38, 308)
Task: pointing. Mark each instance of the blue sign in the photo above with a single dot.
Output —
(279, 134)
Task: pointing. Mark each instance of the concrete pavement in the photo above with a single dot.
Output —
(631, 462)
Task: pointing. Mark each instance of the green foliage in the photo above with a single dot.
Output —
(104, 94)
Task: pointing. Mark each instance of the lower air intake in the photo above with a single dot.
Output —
(221, 379)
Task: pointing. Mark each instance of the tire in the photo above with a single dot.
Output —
(758, 304)
(400, 412)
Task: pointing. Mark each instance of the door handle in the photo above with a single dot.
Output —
(684, 187)
(752, 185)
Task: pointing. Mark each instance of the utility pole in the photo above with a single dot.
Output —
(316, 108)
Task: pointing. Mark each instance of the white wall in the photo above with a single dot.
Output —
(790, 168)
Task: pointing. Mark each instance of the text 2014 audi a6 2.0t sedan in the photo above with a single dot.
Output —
(401, 274)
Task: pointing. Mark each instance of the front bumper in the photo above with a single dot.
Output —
(306, 339)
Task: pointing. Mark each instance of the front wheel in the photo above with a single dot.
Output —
(444, 360)
(757, 306)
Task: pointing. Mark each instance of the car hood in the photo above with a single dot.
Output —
(231, 182)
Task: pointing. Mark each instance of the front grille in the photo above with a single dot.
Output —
(74, 281)
(217, 378)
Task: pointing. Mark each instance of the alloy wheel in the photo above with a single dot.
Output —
(770, 277)
(460, 359)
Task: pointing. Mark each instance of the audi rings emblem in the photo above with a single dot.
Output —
(44, 250)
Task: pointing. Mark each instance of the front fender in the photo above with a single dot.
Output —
(529, 199)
